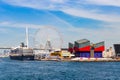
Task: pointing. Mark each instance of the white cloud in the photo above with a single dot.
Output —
(115, 3)
(10, 24)
(68, 7)
(110, 33)
(58, 1)
(37, 4)
(2, 30)
(92, 15)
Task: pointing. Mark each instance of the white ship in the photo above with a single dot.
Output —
(23, 52)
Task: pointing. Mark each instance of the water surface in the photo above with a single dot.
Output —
(48, 70)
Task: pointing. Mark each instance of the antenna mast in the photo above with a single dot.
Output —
(27, 43)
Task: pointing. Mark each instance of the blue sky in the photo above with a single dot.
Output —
(96, 20)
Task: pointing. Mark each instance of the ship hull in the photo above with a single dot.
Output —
(26, 57)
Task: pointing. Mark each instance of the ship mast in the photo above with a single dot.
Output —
(27, 43)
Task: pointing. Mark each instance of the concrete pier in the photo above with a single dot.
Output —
(84, 60)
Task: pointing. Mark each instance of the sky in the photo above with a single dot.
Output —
(95, 20)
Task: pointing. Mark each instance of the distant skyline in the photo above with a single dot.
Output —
(95, 20)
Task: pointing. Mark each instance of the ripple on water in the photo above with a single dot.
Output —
(46, 70)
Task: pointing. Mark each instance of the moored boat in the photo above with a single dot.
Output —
(23, 52)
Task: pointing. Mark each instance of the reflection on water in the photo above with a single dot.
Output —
(47, 70)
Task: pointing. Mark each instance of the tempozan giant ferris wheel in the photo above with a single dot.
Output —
(48, 38)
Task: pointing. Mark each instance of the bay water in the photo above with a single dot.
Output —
(53, 70)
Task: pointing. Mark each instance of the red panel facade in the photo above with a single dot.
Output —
(101, 48)
(85, 49)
